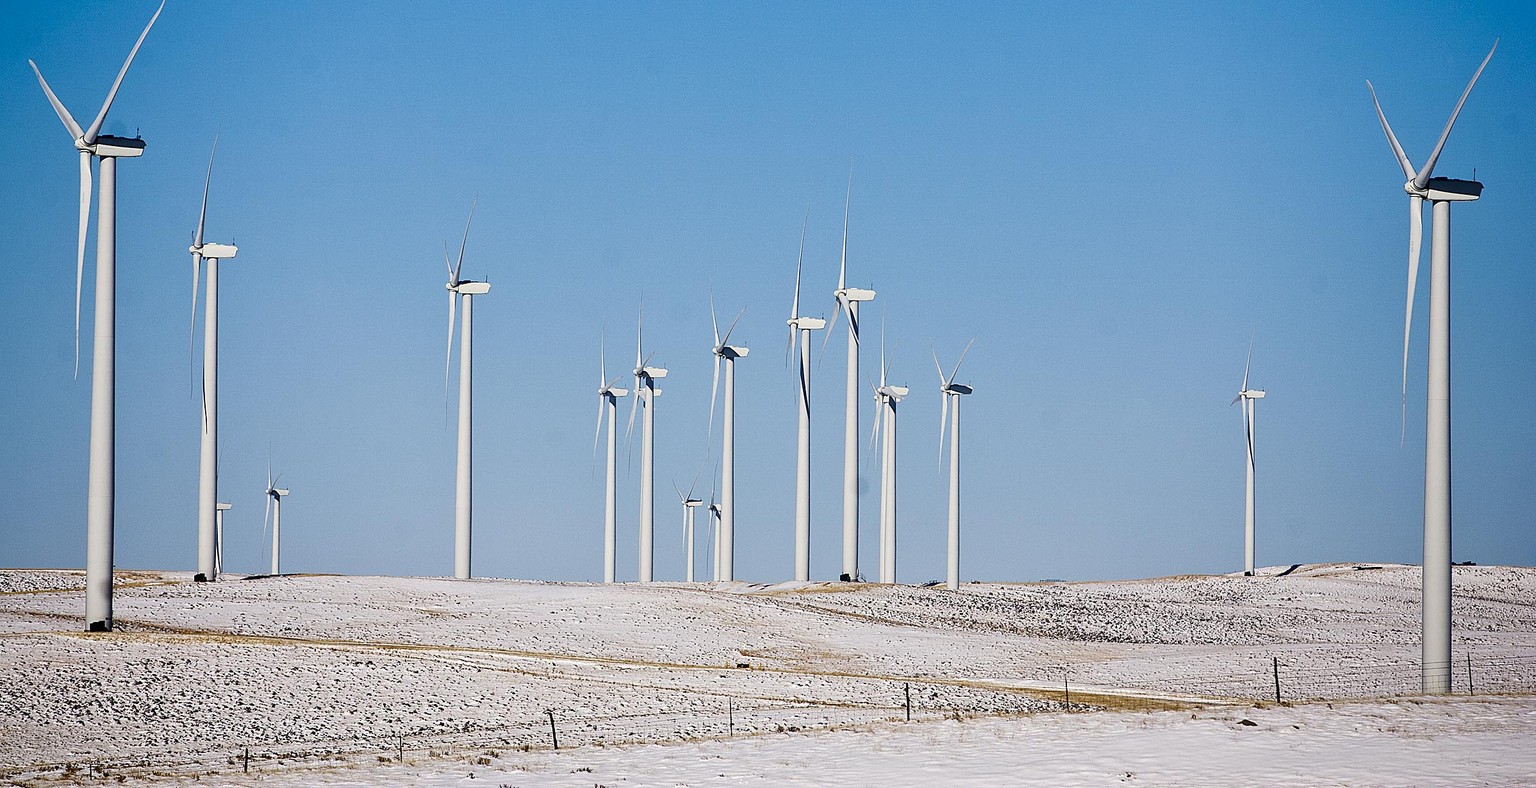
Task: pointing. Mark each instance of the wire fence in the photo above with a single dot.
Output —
(705, 716)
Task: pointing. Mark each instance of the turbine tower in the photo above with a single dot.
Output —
(803, 326)
(849, 298)
(1441, 192)
(714, 535)
(208, 466)
(463, 502)
(725, 542)
(1249, 398)
(646, 393)
(100, 495)
(886, 399)
(952, 391)
(275, 497)
(690, 504)
(218, 530)
(609, 404)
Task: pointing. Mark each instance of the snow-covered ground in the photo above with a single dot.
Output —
(320, 677)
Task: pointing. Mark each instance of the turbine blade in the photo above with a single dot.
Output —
(634, 403)
(459, 266)
(197, 267)
(794, 308)
(726, 340)
(85, 219)
(1248, 431)
(58, 106)
(597, 432)
(940, 368)
(90, 133)
(1246, 365)
(943, 429)
(679, 491)
(639, 333)
(453, 318)
(831, 325)
(448, 264)
(1422, 179)
(202, 212)
(842, 267)
(1415, 243)
(1397, 149)
(956, 370)
(714, 325)
(602, 361)
(714, 392)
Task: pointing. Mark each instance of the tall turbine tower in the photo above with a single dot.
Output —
(646, 393)
(463, 502)
(1249, 398)
(1441, 192)
(725, 542)
(100, 496)
(208, 466)
(609, 394)
(218, 529)
(802, 327)
(849, 298)
(275, 497)
(952, 391)
(886, 399)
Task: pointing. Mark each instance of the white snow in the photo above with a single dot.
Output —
(322, 676)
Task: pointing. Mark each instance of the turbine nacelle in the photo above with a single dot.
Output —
(854, 294)
(613, 392)
(223, 507)
(467, 287)
(1446, 190)
(807, 323)
(277, 492)
(730, 351)
(896, 393)
(959, 389)
(654, 373)
(108, 146)
(214, 251)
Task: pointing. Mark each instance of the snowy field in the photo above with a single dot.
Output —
(424, 681)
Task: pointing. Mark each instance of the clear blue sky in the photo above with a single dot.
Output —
(1112, 200)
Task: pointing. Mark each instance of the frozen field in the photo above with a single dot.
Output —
(319, 678)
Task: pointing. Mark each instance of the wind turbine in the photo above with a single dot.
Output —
(208, 465)
(100, 497)
(1249, 398)
(463, 490)
(952, 391)
(689, 504)
(886, 399)
(725, 544)
(275, 496)
(1435, 674)
(218, 556)
(849, 298)
(609, 394)
(803, 326)
(646, 394)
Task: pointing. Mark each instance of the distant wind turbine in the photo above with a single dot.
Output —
(952, 391)
(646, 393)
(274, 509)
(849, 298)
(690, 504)
(1441, 192)
(208, 466)
(1249, 398)
(803, 326)
(886, 399)
(100, 494)
(609, 404)
(463, 503)
(725, 546)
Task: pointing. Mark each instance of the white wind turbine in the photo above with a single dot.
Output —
(100, 497)
(952, 391)
(1441, 192)
(1249, 398)
(886, 399)
(803, 326)
(849, 298)
(274, 509)
(725, 545)
(690, 505)
(609, 404)
(208, 467)
(218, 529)
(463, 502)
(646, 393)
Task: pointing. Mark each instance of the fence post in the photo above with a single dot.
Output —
(1277, 679)
(1066, 691)
(400, 749)
(730, 716)
(1469, 674)
(552, 736)
(907, 688)
(247, 766)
